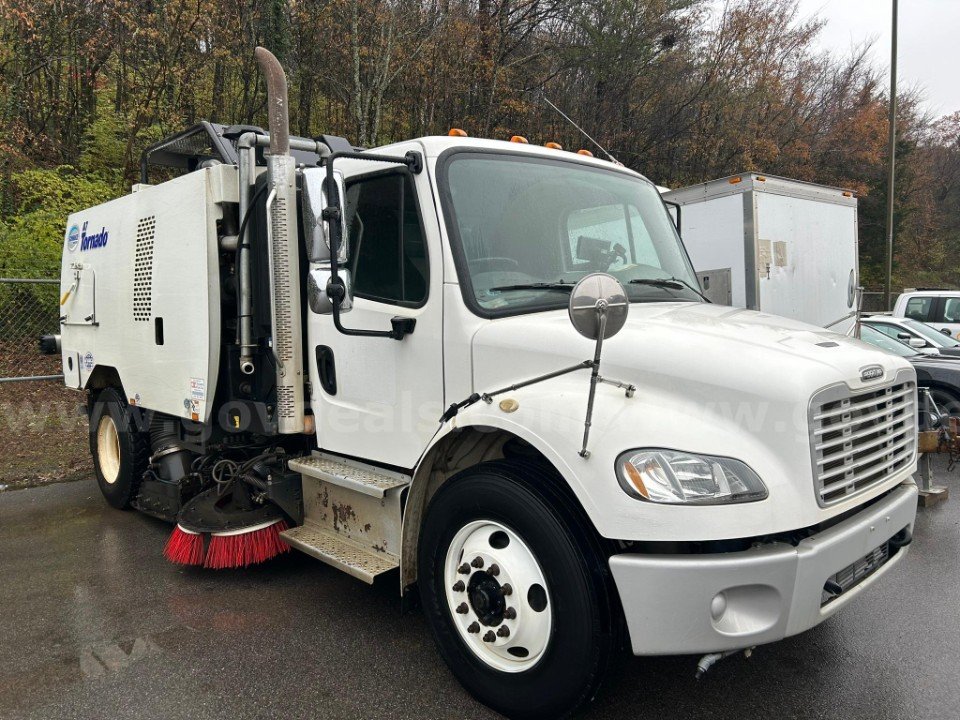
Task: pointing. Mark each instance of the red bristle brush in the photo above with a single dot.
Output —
(184, 547)
(240, 548)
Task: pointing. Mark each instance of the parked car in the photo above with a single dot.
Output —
(940, 308)
(918, 335)
(939, 373)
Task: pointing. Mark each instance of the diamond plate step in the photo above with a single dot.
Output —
(361, 479)
(339, 552)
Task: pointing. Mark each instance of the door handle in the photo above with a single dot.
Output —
(327, 369)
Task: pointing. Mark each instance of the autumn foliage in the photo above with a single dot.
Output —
(682, 90)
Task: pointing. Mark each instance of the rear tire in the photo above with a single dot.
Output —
(121, 452)
(560, 636)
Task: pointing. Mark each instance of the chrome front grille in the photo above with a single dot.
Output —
(860, 439)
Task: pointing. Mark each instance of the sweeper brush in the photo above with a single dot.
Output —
(226, 529)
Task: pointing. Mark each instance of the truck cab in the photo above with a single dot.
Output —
(713, 479)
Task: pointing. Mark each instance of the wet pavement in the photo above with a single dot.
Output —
(95, 623)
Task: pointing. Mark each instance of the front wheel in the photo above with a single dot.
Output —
(514, 590)
(946, 401)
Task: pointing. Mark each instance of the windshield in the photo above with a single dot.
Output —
(885, 342)
(524, 227)
(931, 334)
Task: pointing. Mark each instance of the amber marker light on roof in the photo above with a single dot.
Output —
(735, 180)
(519, 139)
(553, 145)
(457, 132)
(587, 153)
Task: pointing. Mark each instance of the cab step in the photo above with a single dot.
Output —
(339, 552)
(360, 478)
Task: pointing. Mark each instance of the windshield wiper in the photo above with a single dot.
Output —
(566, 287)
(670, 282)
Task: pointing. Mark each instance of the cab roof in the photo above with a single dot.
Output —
(435, 145)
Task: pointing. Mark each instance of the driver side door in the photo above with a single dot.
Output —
(376, 398)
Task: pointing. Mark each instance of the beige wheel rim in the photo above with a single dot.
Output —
(108, 449)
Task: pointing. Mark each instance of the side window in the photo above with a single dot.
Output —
(951, 310)
(890, 330)
(918, 308)
(388, 254)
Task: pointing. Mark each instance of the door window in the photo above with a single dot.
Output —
(388, 255)
(951, 310)
(890, 330)
(918, 308)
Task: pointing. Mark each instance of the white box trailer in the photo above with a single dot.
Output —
(781, 246)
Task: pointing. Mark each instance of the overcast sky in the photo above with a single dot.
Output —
(929, 41)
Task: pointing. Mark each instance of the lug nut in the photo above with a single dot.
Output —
(503, 631)
(489, 637)
(462, 608)
(494, 570)
(474, 627)
(477, 562)
(510, 614)
(459, 586)
(464, 569)
(507, 589)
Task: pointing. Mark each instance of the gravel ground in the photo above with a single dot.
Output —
(43, 435)
(96, 624)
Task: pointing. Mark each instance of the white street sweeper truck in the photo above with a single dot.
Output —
(486, 369)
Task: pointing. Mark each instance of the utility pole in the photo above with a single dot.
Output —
(893, 153)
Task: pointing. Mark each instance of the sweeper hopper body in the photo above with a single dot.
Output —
(143, 303)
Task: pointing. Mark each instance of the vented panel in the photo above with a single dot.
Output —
(284, 258)
(281, 279)
(143, 270)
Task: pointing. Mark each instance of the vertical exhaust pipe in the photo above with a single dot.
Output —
(283, 251)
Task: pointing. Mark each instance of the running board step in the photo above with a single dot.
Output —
(339, 552)
(362, 479)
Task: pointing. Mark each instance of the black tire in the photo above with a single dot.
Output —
(947, 402)
(119, 460)
(583, 636)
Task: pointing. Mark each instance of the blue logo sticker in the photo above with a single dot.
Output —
(90, 242)
(73, 237)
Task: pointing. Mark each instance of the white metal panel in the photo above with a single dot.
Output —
(712, 232)
(805, 274)
(173, 275)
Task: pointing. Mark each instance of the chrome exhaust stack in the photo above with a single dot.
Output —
(283, 252)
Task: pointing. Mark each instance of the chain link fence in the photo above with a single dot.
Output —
(29, 308)
(875, 301)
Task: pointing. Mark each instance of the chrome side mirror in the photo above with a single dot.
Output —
(917, 342)
(314, 199)
(598, 306)
(318, 280)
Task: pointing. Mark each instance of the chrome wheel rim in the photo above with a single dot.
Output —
(497, 596)
(108, 449)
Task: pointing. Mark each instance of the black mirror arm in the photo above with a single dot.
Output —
(336, 291)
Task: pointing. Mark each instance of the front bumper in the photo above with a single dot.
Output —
(768, 593)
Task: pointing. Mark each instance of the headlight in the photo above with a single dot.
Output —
(678, 478)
